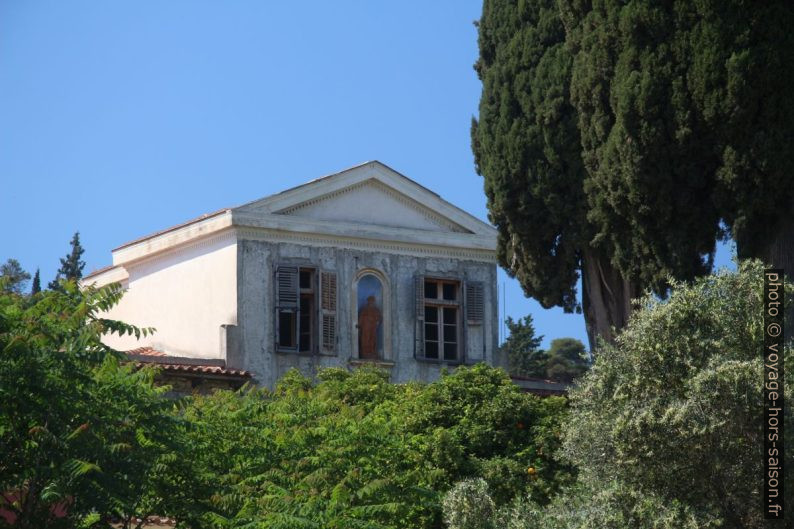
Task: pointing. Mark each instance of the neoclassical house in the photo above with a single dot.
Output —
(362, 266)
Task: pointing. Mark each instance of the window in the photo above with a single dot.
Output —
(305, 310)
(441, 319)
(440, 305)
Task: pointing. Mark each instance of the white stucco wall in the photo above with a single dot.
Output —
(186, 294)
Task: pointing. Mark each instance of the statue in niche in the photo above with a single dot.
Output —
(368, 320)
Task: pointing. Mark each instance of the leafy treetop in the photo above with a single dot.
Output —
(12, 277)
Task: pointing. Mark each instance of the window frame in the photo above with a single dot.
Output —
(318, 312)
(439, 303)
(280, 307)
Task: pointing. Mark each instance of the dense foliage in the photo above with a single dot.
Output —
(356, 451)
(567, 360)
(616, 139)
(89, 441)
(36, 285)
(740, 76)
(526, 144)
(83, 437)
(666, 429)
(674, 411)
(528, 147)
(648, 155)
(12, 277)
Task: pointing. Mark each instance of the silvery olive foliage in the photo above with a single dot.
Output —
(666, 429)
(469, 506)
(673, 410)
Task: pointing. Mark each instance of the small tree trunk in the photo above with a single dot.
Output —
(779, 253)
(606, 298)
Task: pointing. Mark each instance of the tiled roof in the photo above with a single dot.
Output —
(181, 364)
(146, 351)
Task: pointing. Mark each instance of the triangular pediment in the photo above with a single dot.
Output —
(372, 203)
(371, 194)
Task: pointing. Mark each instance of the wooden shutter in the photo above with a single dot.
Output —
(419, 348)
(328, 295)
(474, 302)
(286, 289)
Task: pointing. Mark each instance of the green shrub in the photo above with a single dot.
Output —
(354, 450)
(81, 429)
(674, 410)
(666, 430)
(79, 432)
(469, 506)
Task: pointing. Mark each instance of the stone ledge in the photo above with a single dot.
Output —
(360, 362)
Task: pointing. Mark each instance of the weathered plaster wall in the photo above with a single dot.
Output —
(186, 294)
(254, 336)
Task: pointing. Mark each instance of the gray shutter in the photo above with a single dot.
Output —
(286, 298)
(419, 348)
(287, 287)
(474, 302)
(328, 295)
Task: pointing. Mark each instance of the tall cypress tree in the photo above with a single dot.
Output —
(649, 157)
(566, 171)
(686, 119)
(526, 146)
(36, 288)
(685, 114)
(71, 265)
(742, 74)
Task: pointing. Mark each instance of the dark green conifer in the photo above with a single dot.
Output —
(742, 73)
(36, 288)
(522, 348)
(528, 148)
(71, 265)
(615, 137)
(649, 156)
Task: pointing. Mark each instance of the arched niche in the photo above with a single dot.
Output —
(371, 316)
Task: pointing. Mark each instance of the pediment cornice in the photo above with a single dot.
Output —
(399, 187)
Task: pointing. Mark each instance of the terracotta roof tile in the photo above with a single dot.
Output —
(143, 356)
(148, 351)
(207, 370)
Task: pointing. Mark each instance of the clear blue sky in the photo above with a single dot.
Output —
(118, 119)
